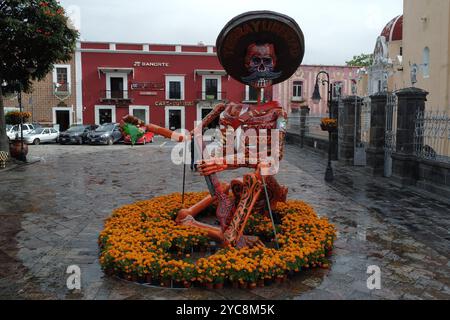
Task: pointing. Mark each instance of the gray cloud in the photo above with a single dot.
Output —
(334, 30)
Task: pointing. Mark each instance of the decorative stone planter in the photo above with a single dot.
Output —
(15, 149)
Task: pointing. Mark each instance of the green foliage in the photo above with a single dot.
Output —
(35, 34)
(363, 60)
(132, 131)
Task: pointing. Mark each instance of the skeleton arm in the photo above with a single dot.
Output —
(213, 115)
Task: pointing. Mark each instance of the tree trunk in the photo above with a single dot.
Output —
(4, 145)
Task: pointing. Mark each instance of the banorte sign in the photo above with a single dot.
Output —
(151, 64)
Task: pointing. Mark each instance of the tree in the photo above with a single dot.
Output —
(35, 35)
(363, 60)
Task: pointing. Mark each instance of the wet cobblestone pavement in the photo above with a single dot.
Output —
(52, 212)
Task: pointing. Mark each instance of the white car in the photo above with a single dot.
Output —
(41, 135)
(13, 132)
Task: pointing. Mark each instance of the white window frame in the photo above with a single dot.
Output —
(145, 108)
(69, 109)
(69, 76)
(122, 75)
(294, 85)
(183, 116)
(219, 85)
(200, 108)
(174, 79)
(103, 107)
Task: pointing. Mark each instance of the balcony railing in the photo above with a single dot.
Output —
(211, 96)
(252, 97)
(120, 96)
(61, 89)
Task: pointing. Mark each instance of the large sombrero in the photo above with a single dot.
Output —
(261, 27)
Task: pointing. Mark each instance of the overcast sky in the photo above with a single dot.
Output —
(335, 30)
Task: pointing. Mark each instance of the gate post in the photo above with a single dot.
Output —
(375, 152)
(405, 167)
(349, 109)
(304, 113)
(334, 136)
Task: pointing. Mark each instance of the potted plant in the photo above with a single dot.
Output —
(17, 147)
(329, 125)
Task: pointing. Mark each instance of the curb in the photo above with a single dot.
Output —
(16, 164)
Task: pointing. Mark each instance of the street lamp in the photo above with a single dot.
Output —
(329, 175)
(22, 156)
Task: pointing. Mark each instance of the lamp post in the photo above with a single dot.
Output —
(22, 155)
(329, 175)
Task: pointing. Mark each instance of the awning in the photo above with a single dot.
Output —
(106, 70)
(205, 72)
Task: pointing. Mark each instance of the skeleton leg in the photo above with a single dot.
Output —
(250, 194)
(199, 207)
(195, 209)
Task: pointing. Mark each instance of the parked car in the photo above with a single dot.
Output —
(108, 133)
(41, 135)
(13, 132)
(146, 138)
(77, 134)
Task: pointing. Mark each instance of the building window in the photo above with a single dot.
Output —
(175, 87)
(105, 114)
(175, 90)
(297, 90)
(426, 62)
(61, 78)
(337, 89)
(141, 112)
(211, 86)
(116, 85)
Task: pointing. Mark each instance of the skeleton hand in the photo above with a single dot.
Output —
(264, 168)
(209, 167)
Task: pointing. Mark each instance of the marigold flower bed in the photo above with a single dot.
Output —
(141, 242)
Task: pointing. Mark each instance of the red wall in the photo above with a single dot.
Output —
(94, 83)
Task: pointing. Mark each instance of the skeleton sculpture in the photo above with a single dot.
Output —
(261, 123)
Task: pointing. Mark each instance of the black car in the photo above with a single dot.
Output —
(108, 133)
(76, 134)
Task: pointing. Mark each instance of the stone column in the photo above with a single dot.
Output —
(349, 108)
(334, 136)
(405, 167)
(304, 113)
(375, 152)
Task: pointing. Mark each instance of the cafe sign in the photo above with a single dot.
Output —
(174, 103)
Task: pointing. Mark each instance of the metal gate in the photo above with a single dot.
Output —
(362, 131)
(390, 138)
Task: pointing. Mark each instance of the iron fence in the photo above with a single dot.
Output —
(432, 136)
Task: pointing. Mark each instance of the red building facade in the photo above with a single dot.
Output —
(169, 85)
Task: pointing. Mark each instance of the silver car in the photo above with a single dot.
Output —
(13, 132)
(41, 135)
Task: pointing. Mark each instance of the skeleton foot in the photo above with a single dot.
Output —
(214, 233)
(249, 242)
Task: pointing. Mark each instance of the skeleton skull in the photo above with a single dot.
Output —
(260, 62)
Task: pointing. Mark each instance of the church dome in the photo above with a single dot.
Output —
(394, 29)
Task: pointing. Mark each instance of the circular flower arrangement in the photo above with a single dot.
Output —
(142, 243)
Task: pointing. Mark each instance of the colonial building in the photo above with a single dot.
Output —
(168, 85)
(52, 101)
(413, 50)
(298, 90)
